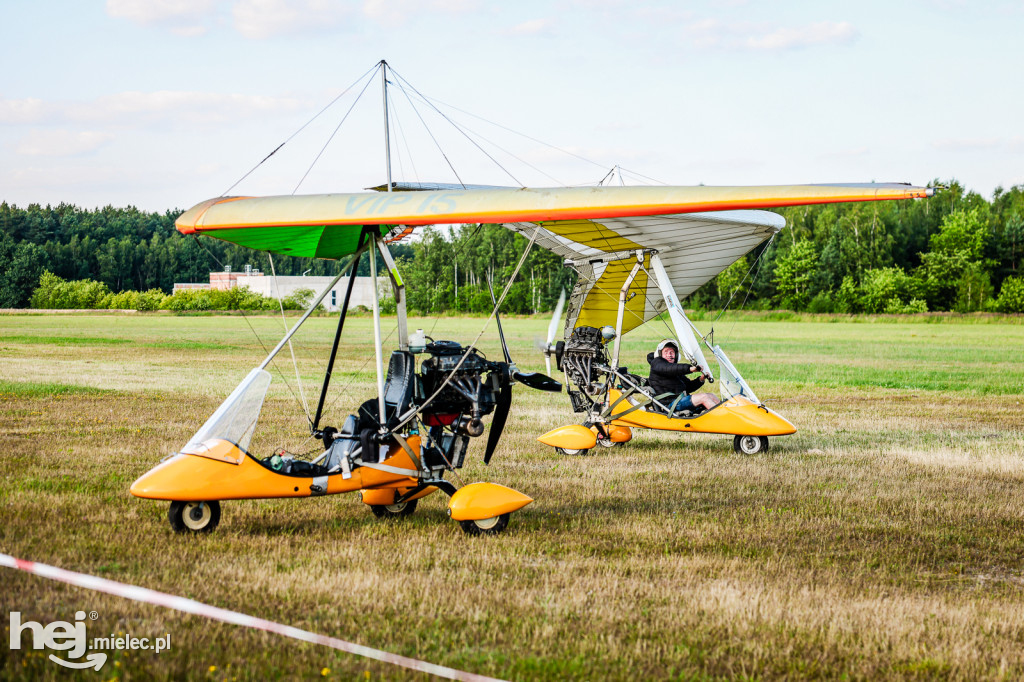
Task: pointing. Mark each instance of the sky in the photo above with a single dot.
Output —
(161, 104)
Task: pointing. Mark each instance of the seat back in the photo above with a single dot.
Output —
(399, 390)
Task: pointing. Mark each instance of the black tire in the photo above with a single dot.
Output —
(393, 511)
(607, 442)
(194, 517)
(491, 526)
(750, 445)
(570, 452)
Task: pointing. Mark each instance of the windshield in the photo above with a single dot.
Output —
(730, 382)
(235, 420)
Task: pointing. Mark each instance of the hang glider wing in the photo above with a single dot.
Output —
(329, 225)
(693, 249)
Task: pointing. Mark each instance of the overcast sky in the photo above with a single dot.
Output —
(163, 103)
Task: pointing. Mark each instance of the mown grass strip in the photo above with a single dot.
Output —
(29, 389)
(66, 340)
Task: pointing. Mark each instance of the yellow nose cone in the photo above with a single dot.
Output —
(572, 437)
(478, 501)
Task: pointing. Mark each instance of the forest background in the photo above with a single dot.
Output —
(954, 252)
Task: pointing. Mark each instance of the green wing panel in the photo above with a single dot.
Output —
(307, 241)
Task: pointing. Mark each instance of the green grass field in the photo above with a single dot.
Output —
(882, 540)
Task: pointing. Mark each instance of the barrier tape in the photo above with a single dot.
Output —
(142, 594)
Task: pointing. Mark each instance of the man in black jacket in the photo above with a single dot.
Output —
(667, 376)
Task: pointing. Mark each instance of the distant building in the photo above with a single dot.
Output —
(286, 285)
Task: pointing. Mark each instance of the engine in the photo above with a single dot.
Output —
(583, 351)
(454, 415)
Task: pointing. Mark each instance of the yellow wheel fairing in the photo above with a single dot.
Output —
(572, 437)
(478, 501)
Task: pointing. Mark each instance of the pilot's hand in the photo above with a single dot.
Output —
(694, 368)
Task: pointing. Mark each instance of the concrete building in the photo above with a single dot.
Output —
(284, 286)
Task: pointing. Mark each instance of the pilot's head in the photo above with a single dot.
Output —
(668, 351)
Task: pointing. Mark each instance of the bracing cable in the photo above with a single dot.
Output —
(284, 323)
(301, 128)
(335, 132)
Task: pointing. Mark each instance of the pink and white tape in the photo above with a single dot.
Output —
(142, 594)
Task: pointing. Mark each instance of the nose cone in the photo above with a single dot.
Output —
(484, 501)
(761, 421)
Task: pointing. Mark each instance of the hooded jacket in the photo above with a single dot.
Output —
(670, 377)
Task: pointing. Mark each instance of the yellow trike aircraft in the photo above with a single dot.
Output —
(625, 242)
(632, 270)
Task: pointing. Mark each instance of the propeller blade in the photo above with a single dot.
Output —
(553, 325)
(537, 380)
(497, 318)
(501, 408)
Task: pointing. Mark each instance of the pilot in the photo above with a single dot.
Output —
(667, 376)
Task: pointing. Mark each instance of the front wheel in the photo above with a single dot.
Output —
(489, 526)
(570, 451)
(194, 517)
(393, 511)
(750, 445)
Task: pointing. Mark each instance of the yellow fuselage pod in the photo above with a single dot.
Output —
(478, 501)
(571, 437)
(736, 416)
(226, 473)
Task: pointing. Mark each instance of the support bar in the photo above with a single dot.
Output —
(291, 332)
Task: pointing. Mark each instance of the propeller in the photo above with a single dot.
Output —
(549, 346)
(501, 410)
(510, 374)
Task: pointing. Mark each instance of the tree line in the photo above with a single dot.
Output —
(954, 252)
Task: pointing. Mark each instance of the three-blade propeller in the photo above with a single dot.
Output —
(549, 346)
(510, 374)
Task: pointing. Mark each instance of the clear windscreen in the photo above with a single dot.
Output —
(730, 382)
(235, 420)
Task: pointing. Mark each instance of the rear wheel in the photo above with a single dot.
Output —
(570, 451)
(391, 511)
(194, 517)
(489, 526)
(750, 445)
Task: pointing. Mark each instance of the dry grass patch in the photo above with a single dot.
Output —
(883, 540)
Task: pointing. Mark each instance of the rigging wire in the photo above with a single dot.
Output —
(284, 323)
(742, 281)
(445, 117)
(469, 349)
(336, 129)
(429, 132)
(251, 328)
(759, 262)
(404, 140)
(303, 127)
(465, 129)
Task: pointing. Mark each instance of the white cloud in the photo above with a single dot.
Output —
(61, 142)
(967, 144)
(184, 17)
(532, 27)
(395, 12)
(21, 110)
(791, 38)
(140, 109)
(259, 19)
(843, 154)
